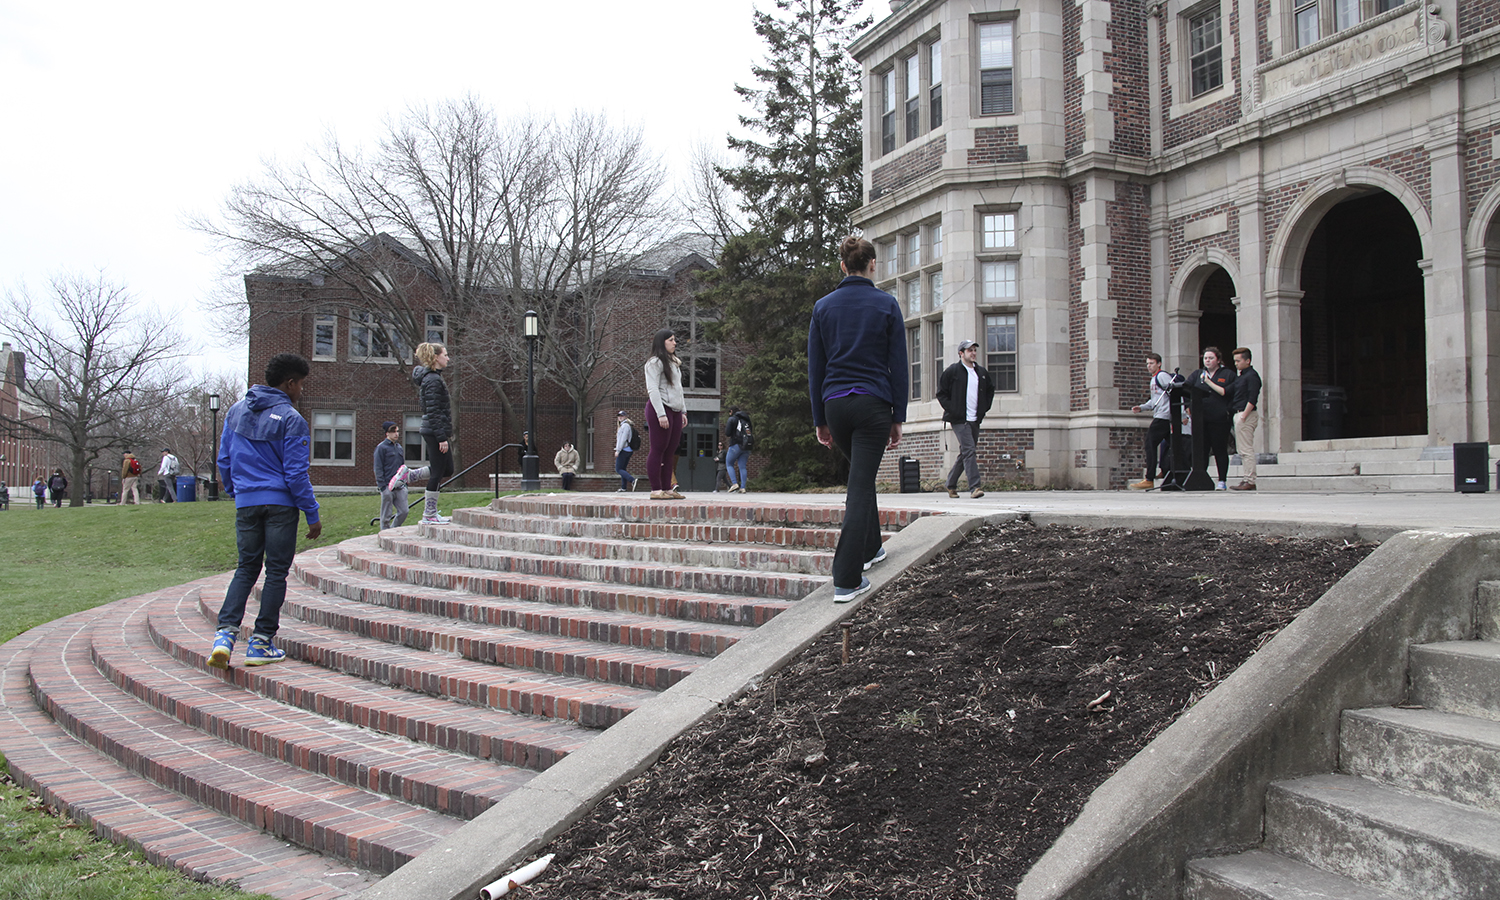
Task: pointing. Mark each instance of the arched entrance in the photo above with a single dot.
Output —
(1217, 326)
(1364, 337)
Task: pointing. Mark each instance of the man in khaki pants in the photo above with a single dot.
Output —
(1245, 403)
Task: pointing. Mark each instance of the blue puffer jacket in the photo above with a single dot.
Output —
(263, 454)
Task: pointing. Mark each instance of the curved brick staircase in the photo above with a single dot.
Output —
(430, 671)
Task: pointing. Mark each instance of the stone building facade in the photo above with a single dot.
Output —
(1074, 184)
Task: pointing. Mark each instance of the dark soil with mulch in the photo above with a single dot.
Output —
(986, 695)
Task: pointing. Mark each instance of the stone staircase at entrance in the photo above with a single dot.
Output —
(1414, 810)
(430, 671)
(1404, 463)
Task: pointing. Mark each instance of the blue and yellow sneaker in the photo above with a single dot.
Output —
(262, 652)
(223, 649)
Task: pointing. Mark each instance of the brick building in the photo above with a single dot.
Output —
(1074, 184)
(361, 370)
(22, 456)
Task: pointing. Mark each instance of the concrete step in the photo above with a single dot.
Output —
(1258, 875)
(1487, 611)
(312, 811)
(321, 571)
(645, 575)
(437, 779)
(1390, 442)
(1441, 754)
(1405, 843)
(662, 552)
(770, 535)
(1367, 484)
(359, 570)
(170, 829)
(485, 733)
(1461, 677)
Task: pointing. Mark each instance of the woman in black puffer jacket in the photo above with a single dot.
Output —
(437, 424)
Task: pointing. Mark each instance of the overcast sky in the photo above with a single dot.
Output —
(122, 120)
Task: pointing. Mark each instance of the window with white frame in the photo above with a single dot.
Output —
(914, 257)
(914, 250)
(913, 72)
(371, 338)
(999, 231)
(888, 111)
(937, 353)
(1000, 350)
(325, 336)
(435, 330)
(935, 85)
(935, 289)
(997, 68)
(914, 359)
(1317, 19)
(912, 288)
(999, 281)
(999, 259)
(699, 355)
(411, 439)
(935, 242)
(333, 438)
(1205, 51)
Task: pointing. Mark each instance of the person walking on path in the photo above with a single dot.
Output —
(565, 461)
(58, 485)
(625, 444)
(39, 488)
(1160, 407)
(437, 426)
(392, 476)
(857, 381)
(965, 391)
(665, 414)
(721, 469)
(1244, 403)
(263, 463)
(166, 477)
(130, 479)
(1215, 382)
(4, 496)
(738, 458)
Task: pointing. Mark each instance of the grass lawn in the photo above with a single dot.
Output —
(60, 561)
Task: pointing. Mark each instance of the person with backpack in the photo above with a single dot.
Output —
(58, 485)
(39, 488)
(4, 496)
(627, 441)
(741, 439)
(166, 477)
(130, 479)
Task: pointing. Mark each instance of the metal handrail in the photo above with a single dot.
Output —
(493, 454)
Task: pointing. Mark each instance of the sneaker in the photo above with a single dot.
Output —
(976, 494)
(439, 519)
(619, 490)
(1221, 487)
(953, 493)
(262, 652)
(635, 485)
(733, 488)
(398, 478)
(676, 494)
(223, 649)
(1143, 485)
(660, 495)
(1244, 486)
(878, 558)
(844, 595)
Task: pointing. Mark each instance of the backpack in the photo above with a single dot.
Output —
(747, 440)
(135, 466)
(635, 437)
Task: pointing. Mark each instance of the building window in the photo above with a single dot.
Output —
(935, 90)
(996, 69)
(1000, 350)
(333, 438)
(937, 352)
(411, 439)
(914, 250)
(913, 290)
(887, 255)
(913, 96)
(935, 289)
(1206, 51)
(699, 355)
(935, 242)
(325, 336)
(887, 111)
(436, 330)
(914, 358)
(999, 231)
(370, 338)
(588, 444)
(999, 281)
(1317, 19)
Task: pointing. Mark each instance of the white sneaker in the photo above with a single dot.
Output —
(844, 595)
(398, 478)
(878, 558)
(1222, 487)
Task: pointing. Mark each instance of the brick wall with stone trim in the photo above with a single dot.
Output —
(1278, 201)
(1130, 101)
(910, 166)
(1078, 348)
(1180, 248)
(1475, 16)
(1130, 445)
(997, 145)
(1413, 166)
(1073, 130)
(993, 445)
(1129, 216)
(1481, 168)
(1214, 117)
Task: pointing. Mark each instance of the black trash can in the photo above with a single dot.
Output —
(1323, 408)
(911, 475)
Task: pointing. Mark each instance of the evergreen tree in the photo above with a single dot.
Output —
(798, 184)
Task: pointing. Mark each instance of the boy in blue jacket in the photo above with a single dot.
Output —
(263, 458)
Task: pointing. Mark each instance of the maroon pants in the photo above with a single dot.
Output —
(663, 456)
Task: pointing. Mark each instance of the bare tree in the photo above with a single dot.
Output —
(101, 371)
(190, 429)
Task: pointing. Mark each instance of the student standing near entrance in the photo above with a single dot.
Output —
(856, 373)
(1244, 402)
(665, 414)
(1215, 381)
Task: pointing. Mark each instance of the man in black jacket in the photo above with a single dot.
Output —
(965, 392)
(1244, 403)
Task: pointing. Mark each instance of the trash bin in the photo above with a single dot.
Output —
(187, 488)
(911, 475)
(1323, 408)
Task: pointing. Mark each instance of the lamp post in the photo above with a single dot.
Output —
(213, 468)
(531, 479)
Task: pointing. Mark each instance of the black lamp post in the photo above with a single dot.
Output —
(531, 479)
(213, 468)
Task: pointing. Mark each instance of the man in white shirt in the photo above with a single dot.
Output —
(966, 392)
(166, 477)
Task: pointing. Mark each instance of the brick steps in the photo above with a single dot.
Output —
(824, 539)
(117, 805)
(695, 510)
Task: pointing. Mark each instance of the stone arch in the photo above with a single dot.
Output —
(1284, 258)
(1182, 306)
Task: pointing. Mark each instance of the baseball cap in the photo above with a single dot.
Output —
(964, 345)
(620, 413)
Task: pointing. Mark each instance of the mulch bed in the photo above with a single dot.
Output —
(987, 694)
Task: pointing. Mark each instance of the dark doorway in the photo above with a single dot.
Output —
(695, 455)
(1364, 335)
(1216, 326)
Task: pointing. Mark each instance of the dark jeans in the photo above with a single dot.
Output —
(567, 480)
(622, 460)
(262, 533)
(440, 465)
(861, 428)
(1159, 430)
(1216, 440)
(661, 459)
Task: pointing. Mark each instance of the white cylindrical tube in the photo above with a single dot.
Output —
(515, 879)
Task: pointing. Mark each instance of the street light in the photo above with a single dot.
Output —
(531, 479)
(213, 467)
